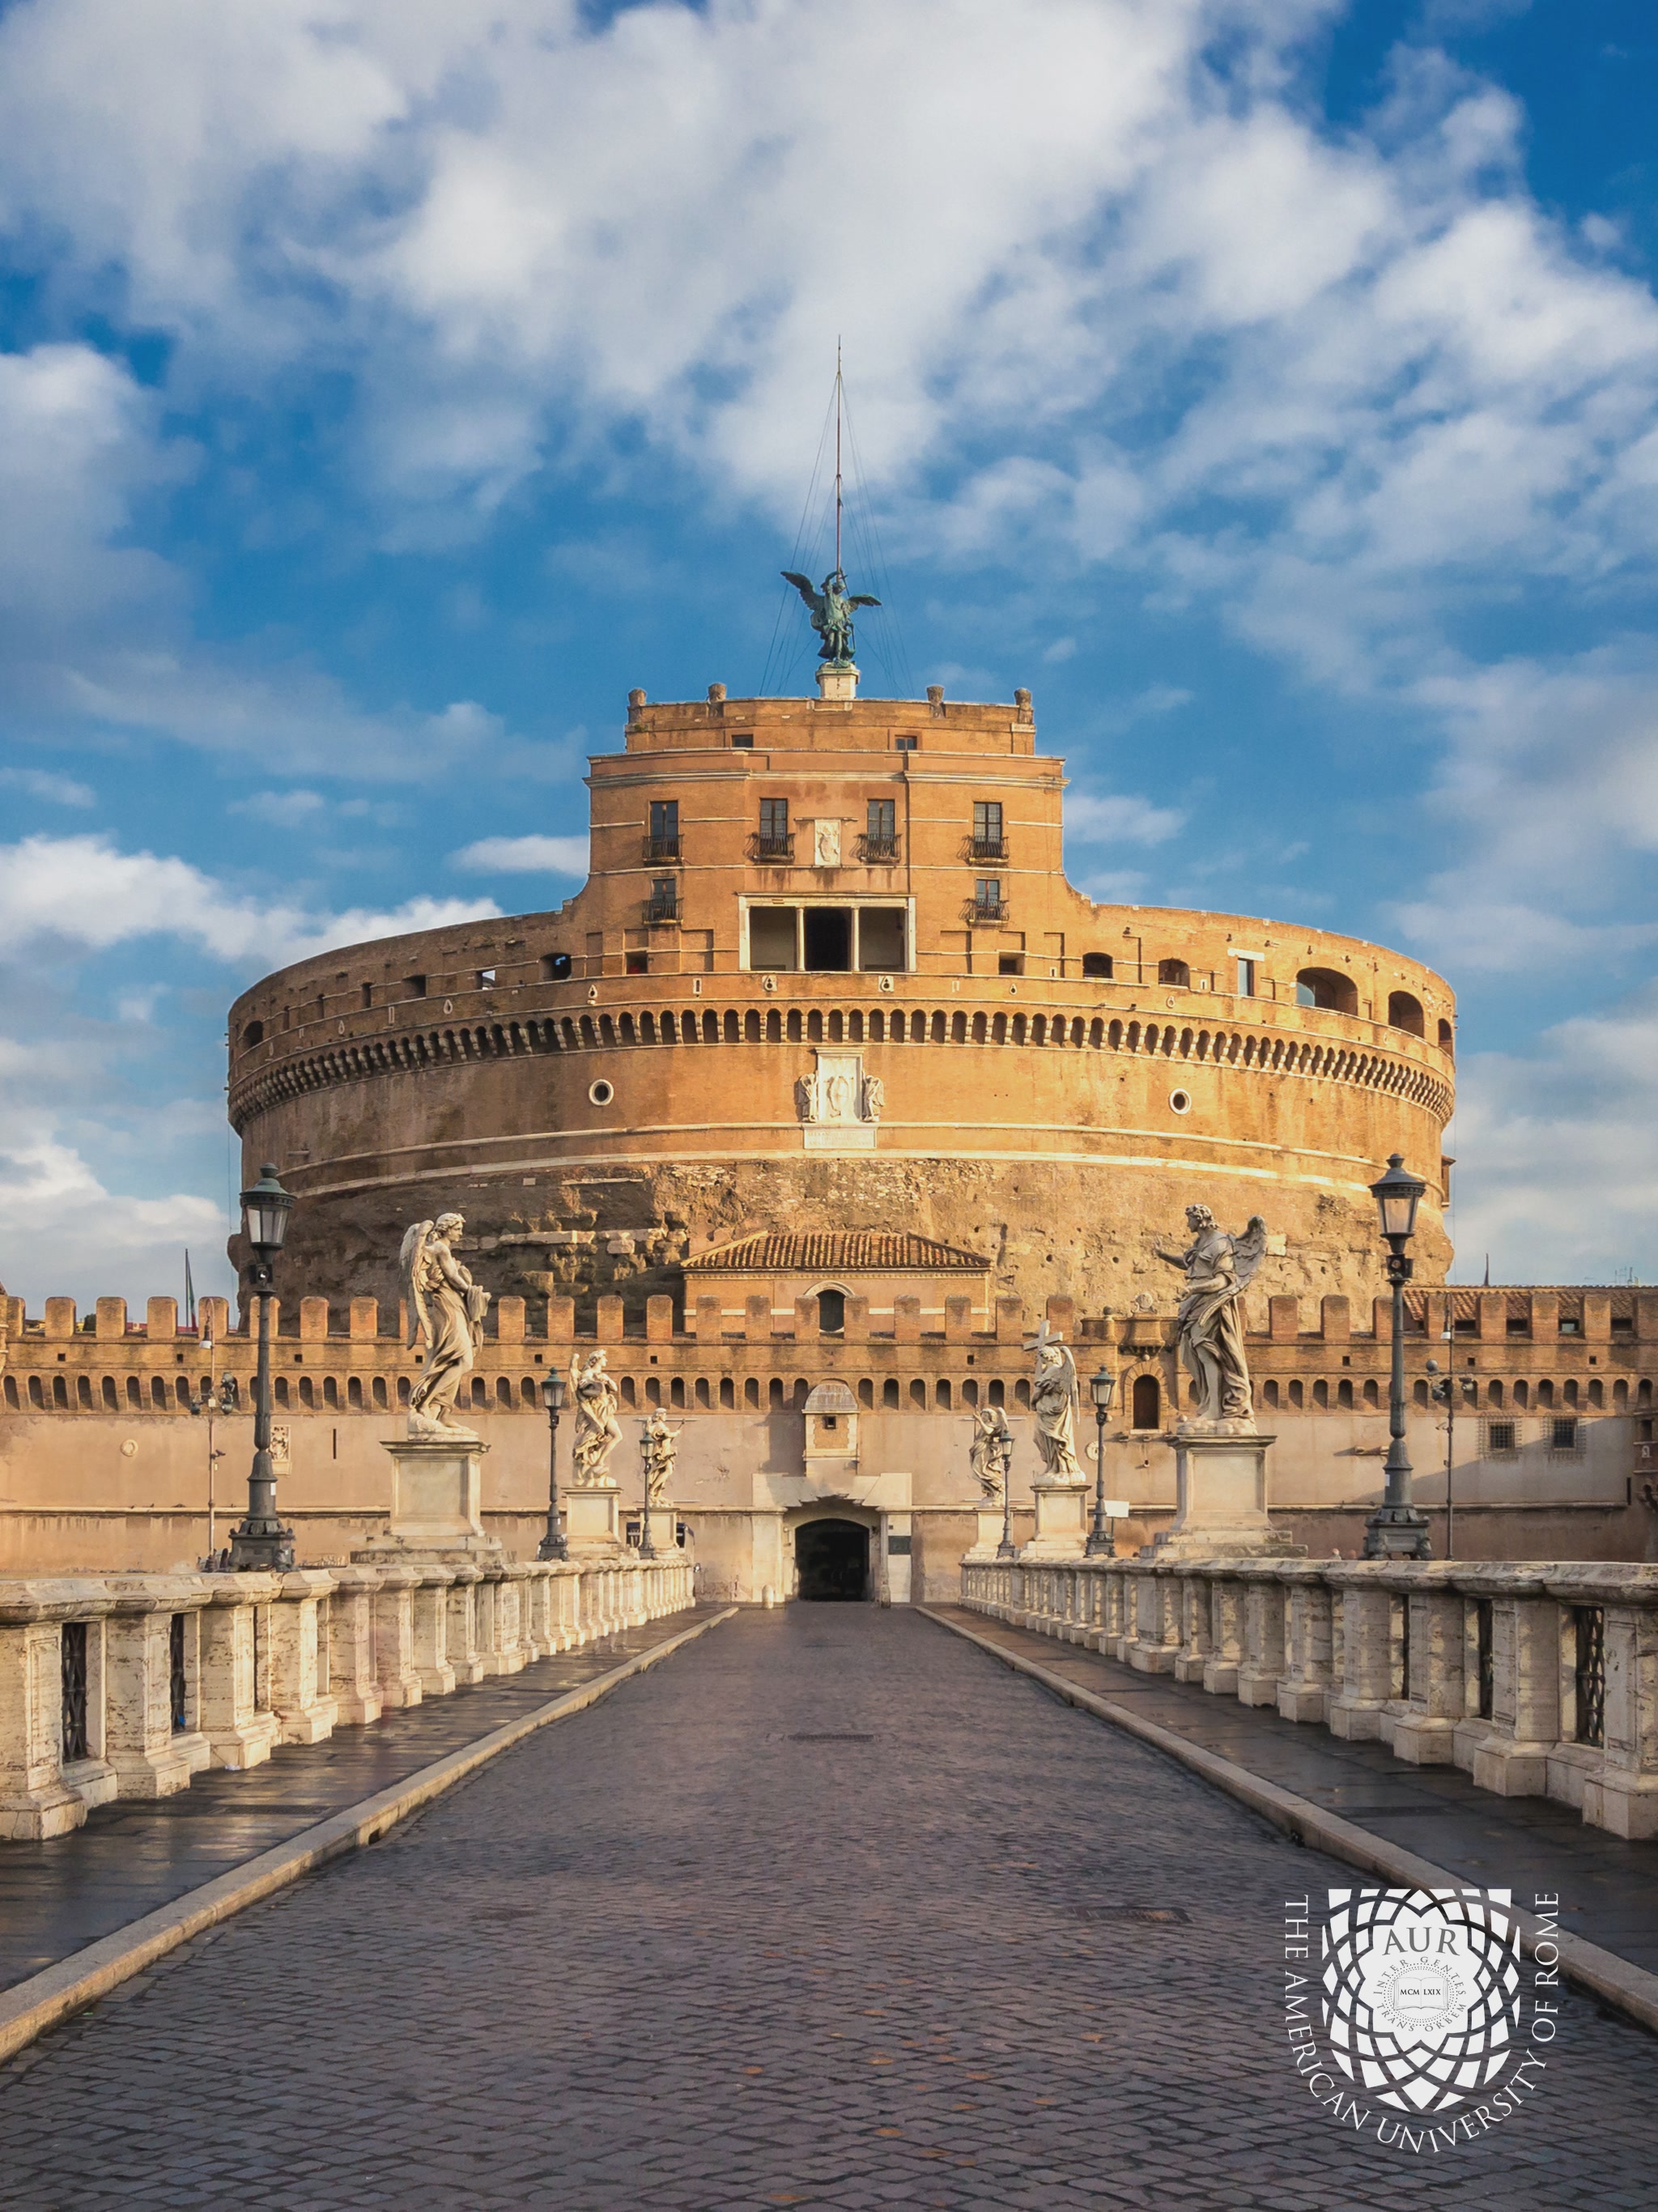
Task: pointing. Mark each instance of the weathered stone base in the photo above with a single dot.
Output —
(1220, 1513)
(1061, 1516)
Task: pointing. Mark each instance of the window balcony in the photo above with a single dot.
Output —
(988, 907)
(877, 851)
(773, 852)
(663, 904)
(988, 848)
(662, 849)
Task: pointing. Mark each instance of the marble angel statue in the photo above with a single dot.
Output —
(594, 1396)
(659, 1444)
(1218, 1269)
(1054, 1404)
(991, 1452)
(442, 1300)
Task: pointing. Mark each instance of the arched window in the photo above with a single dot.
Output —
(775, 1394)
(1175, 971)
(1344, 1394)
(1372, 1395)
(1421, 1395)
(380, 1390)
(941, 1395)
(1328, 988)
(1097, 964)
(1404, 1012)
(728, 1393)
(504, 1393)
(353, 1393)
(996, 1393)
(1269, 1393)
(1296, 1393)
(752, 1393)
(890, 1393)
(866, 1390)
(1146, 1403)
(110, 1402)
(703, 1398)
(252, 1035)
(1320, 1393)
(629, 1394)
(831, 1313)
(918, 1393)
(1446, 1035)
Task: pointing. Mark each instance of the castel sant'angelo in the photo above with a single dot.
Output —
(827, 975)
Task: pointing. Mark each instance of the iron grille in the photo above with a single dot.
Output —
(1484, 1665)
(1402, 1686)
(177, 1693)
(773, 849)
(75, 1691)
(987, 903)
(987, 848)
(663, 904)
(662, 849)
(877, 851)
(1589, 1671)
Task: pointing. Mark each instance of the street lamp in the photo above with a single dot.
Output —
(1004, 1550)
(552, 1545)
(1396, 1530)
(218, 1405)
(1101, 1544)
(646, 1549)
(1445, 1392)
(259, 1543)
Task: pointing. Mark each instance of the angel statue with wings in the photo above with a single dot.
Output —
(831, 611)
(658, 1445)
(1054, 1403)
(595, 1396)
(991, 1453)
(1218, 1269)
(441, 1298)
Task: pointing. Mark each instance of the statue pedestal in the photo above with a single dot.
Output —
(989, 1536)
(837, 679)
(1061, 1521)
(437, 1490)
(662, 1525)
(1220, 1478)
(592, 1520)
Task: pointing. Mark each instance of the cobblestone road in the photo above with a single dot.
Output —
(803, 1917)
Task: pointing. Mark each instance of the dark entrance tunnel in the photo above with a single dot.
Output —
(832, 1558)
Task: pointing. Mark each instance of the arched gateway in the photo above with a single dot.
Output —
(831, 1560)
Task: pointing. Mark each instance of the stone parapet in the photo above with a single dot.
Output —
(1536, 1680)
(126, 1685)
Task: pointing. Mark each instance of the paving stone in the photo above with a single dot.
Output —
(665, 1955)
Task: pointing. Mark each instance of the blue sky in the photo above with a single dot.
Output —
(386, 387)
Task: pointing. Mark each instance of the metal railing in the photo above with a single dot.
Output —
(663, 906)
(877, 851)
(662, 849)
(772, 851)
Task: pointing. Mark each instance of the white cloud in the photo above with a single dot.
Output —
(69, 1235)
(1558, 1177)
(282, 810)
(559, 856)
(54, 790)
(82, 892)
(1119, 818)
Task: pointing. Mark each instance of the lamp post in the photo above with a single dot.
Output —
(552, 1544)
(259, 1543)
(1102, 1544)
(218, 1405)
(1396, 1530)
(1004, 1550)
(646, 1549)
(1445, 1390)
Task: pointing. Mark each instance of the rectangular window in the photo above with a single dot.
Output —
(881, 832)
(1502, 1439)
(555, 967)
(987, 829)
(415, 985)
(1096, 963)
(486, 978)
(665, 830)
(828, 933)
(905, 745)
(1571, 1326)
(743, 740)
(1246, 978)
(639, 964)
(881, 939)
(664, 899)
(775, 843)
(1563, 1434)
(988, 897)
(771, 938)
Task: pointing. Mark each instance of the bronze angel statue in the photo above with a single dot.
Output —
(1218, 1269)
(441, 1298)
(831, 611)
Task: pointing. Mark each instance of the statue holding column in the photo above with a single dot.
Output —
(594, 1396)
(443, 1301)
(1218, 1269)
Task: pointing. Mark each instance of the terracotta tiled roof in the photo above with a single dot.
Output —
(837, 1252)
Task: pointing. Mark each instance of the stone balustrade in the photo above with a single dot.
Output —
(125, 1686)
(1538, 1680)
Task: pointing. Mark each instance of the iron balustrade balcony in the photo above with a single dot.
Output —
(877, 851)
(988, 848)
(986, 909)
(773, 852)
(662, 849)
(662, 905)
